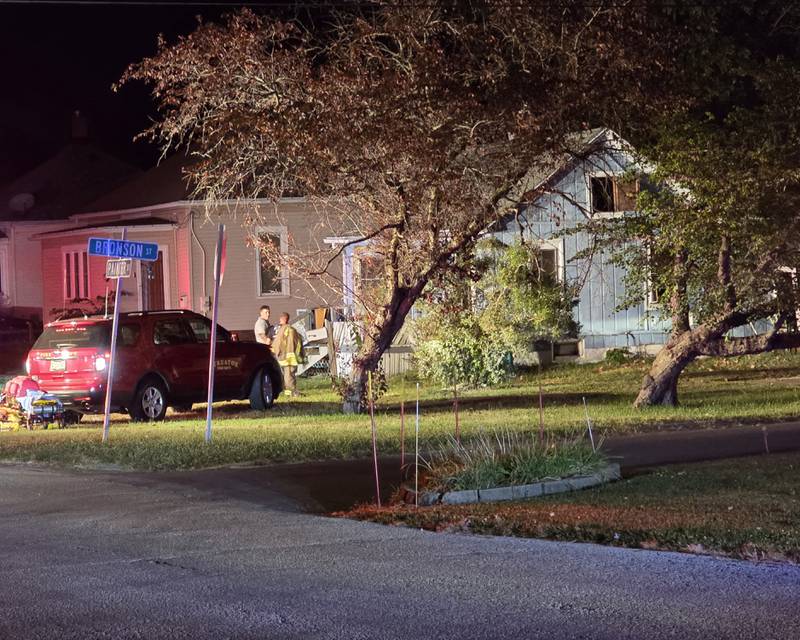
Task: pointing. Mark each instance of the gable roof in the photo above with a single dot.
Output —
(61, 186)
(163, 183)
(554, 165)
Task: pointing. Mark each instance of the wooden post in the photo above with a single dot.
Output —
(541, 409)
(331, 351)
(455, 411)
(402, 437)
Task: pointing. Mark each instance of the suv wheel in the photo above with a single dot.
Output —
(150, 402)
(262, 392)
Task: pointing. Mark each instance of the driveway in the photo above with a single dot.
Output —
(212, 555)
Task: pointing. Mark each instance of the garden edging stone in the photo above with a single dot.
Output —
(609, 473)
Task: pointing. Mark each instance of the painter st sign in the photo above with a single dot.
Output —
(121, 268)
(111, 248)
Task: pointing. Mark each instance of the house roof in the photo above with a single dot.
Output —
(114, 224)
(168, 183)
(78, 174)
(165, 182)
(554, 165)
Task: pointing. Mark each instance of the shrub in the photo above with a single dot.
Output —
(460, 353)
(618, 356)
(508, 458)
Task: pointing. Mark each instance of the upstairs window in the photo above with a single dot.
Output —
(76, 275)
(611, 194)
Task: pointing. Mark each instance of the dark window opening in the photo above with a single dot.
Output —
(611, 194)
(603, 195)
(270, 275)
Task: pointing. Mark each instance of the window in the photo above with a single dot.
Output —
(76, 275)
(74, 335)
(171, 332)
(128, 335)
(202, 331)
(5, 289)
(272, 280)
(546, 264)
(611, 194)
(368, 272)
(658, 265)
(656, 294)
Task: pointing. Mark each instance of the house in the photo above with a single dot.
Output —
(590, 182)
(41, 201)
(156, 206)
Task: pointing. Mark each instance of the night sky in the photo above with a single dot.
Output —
(56, 59)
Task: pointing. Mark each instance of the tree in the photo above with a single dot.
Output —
(412, 127)
(717, 236)
(525, 300)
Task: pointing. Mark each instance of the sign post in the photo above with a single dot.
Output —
(113, 357)
(218, 272)
(124, 252)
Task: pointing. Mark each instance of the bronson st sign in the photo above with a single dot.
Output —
(111, 248)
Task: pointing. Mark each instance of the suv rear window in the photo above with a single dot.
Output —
(74, 336)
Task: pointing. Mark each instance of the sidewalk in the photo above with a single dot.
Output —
(339, 484)
(668, 447)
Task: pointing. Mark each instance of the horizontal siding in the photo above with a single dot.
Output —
(239, 294)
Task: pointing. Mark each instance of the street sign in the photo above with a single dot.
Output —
(118, 268)
(111, 248)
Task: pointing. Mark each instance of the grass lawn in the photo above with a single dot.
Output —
(713, 393)
(743, 508)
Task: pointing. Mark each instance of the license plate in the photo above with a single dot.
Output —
(58, 365)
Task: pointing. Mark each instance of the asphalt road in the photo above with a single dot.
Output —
(121, 555)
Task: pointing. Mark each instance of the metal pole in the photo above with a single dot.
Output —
(212, 351)
(374, 441)
(112, 359)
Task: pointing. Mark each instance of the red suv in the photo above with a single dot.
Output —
(162, 360)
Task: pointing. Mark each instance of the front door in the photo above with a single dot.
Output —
(153, 284)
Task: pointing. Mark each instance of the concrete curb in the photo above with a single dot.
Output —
(609, 473)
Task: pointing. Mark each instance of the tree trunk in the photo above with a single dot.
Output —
(660, 385)
(363, 363)
(377, 339)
